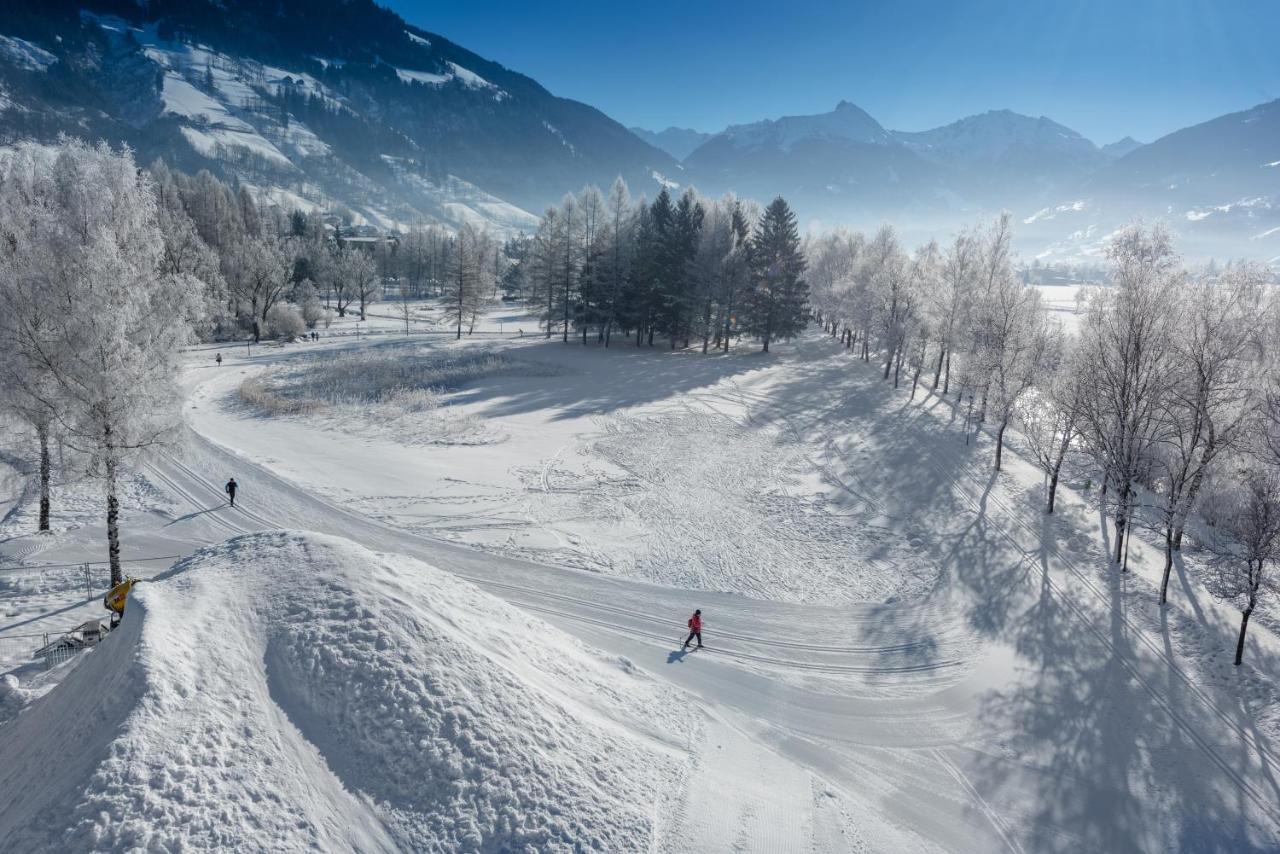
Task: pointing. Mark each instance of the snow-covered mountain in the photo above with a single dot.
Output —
(997, 135)
(330, 104)
(1212, 163)
(678, 142)
(1218, 183)
(847, 123)
(844, 165)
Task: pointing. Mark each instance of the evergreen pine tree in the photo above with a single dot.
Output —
(778, 301)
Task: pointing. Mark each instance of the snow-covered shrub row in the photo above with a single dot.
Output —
(254, 392)
(395, 393)
(377, 376)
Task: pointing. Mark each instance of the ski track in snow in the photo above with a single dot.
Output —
(836, 725)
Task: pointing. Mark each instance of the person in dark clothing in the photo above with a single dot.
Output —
(231, 488)
(695, 629)
(218, 358)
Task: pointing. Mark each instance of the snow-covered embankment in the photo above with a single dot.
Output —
(292, 691)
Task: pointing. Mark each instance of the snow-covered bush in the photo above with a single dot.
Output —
(285, 320)
(312, 309)
(395, 392)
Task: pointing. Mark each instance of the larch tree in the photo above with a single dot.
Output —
(616, 255)
(467, 278)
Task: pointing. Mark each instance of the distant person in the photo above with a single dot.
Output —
(232, 486)
(218, 358)
(695, 629)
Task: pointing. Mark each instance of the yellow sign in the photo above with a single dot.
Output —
(119, 595)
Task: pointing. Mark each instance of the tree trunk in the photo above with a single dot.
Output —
(1057, 470)
(1004, 424)
(1168, 563)
(946, 383)
(1120, 529)
(937, 372)
(1244, 625)
(46, 465)
(897, 366)
(113, 511)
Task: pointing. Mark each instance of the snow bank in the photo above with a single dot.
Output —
(290, 691)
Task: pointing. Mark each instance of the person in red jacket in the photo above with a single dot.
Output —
(695, 629)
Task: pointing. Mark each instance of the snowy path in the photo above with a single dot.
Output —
(1060, 729)
(1028, 702)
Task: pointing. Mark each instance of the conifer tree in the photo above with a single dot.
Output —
(779, 298)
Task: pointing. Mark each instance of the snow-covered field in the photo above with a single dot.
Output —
(581, 470)
(904, 653)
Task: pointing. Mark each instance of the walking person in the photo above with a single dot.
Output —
(231, 488)
(695, 629)
(218, 359)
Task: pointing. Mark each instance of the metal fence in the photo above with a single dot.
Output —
(20, 648)
(48, 649)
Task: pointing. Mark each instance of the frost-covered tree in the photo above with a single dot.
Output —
(1049, 415)
(950, 303)
(349, 273)
(833, 260)
(366, 282)
(28, 392)
(1012, 339)
(112, 322)
(1245, 543)
(1210, 396)
(258, 272)
(1127, 341)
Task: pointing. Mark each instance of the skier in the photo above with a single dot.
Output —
(218, 358)
(231, 488)
(695, 629)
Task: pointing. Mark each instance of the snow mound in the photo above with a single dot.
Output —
(291, 691)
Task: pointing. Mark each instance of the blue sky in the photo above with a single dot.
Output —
(1107, 69)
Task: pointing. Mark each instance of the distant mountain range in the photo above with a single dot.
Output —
(1217, 183)
(678, 142)
(341, 105)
